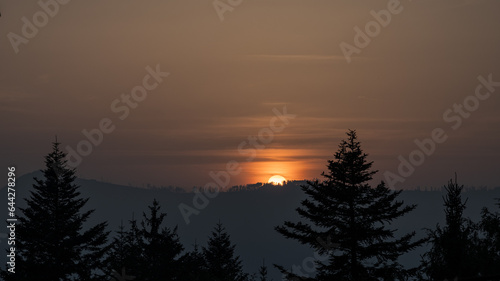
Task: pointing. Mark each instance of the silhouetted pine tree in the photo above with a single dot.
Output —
(118, 253)
(50, 242)
(489, 245)
(161, 248)
(263, 272)
(194, 265)
(348, 220)
(125, 251)
(454, 251)
(221, 262)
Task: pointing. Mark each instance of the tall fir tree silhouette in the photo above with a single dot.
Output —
(221, 262)
(51, 243)
(348, 220)
(161, 248)
(454, 249)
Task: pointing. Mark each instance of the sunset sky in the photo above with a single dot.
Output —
(228, 78)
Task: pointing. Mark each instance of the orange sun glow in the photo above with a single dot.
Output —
(276, 180)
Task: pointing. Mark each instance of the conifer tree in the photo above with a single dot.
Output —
(221, 262)
(349, 221)
(489, 245)
(194, 265)
(161, 248)
(263, 272)
(125, 251)
(453, 252)
(51, 243)
(118, 253)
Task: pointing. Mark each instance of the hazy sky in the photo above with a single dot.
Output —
(228, 78)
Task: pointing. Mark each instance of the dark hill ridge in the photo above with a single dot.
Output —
(249, 215)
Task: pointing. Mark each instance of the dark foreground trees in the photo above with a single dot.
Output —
(51, 243)
(344, 219)
(150, 251)
(54, 242)
(153, 252)
(220, 260)
(489, 245)
(160, 246)
(463, 249)
(453, 252)
(345, 211)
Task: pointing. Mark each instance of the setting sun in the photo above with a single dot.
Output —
(276, 180)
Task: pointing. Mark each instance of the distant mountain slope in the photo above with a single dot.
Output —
(249, 216)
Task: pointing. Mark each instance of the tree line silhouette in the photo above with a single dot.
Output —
(54, 244)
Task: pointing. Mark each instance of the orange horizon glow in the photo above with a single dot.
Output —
(288, 163)
(277, 180)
